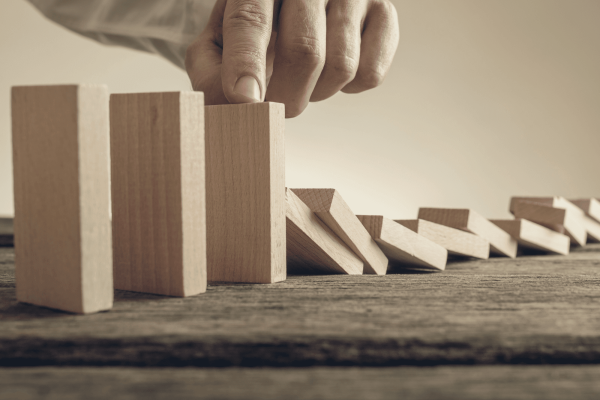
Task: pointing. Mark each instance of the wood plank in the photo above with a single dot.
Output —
(331, 208)
(61, 187)
(403, 247)
(534, 236)
(159, 223)
(245, 202)
(312, 247)
(501, 243)
(590, 206)
(457, 242)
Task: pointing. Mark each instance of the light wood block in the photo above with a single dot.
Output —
(534, 236)
(556, 202)
(561, 220)
(331, 208)
(593, 229)
(590, 206)
(245, 193)
(457, 242)
(402, 246)
(158, 194)
(501, 243)
(61, 186)
(312, 247)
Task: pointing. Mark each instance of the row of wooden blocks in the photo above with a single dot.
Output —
(198, 195)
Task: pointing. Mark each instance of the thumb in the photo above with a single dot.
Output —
(247, 26)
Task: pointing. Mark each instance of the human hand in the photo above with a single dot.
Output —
(292, 51)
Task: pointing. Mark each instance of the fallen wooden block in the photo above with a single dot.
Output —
(245, 193)
(402, 246)
(329, 206)
(61, 186)
(158, 206)
(561, 220)
(556, 202)
(312, 247)
(592, 228)
(457, 242)
(534, 236)
(590, 206)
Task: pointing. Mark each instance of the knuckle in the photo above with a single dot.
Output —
(249, 14)
(343, 67)
(305, 51)
(371, 78)
(384, 7)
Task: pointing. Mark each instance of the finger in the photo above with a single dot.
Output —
(344, 26)
(299, 54)
(246, 33)
(379, 43)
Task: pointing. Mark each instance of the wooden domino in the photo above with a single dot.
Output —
(457, 242)
(534, 236)
(331, 208)
(402, 246)
(158, 197)
(245, 193)
(590, 206)
(501, 243)
(312, 247)
(593, 229)
(62, 228)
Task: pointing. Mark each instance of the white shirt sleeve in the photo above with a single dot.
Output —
(164, 27)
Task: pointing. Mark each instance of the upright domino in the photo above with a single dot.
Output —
(501, 243)
(533, 236)
(335, 213)
(158, 195)
(403, 247)
(62, 229)
(245, 193)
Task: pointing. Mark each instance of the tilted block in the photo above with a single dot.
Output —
(312, 247)
(329, 206)
(403, 247)
(592, 228)
(457, 242)
(534, 236)
(63, 252)
(590, 206)
(501, 243)
(158, 194)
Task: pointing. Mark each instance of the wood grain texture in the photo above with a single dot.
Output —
(6, 232)
(457, 242)
(590, 206)
(158, 193)
(501, 243)
(534, 236)
(245, 181)
(61, 187)
(561, 220)
(312, 246)
(403, 247)
(331, 208)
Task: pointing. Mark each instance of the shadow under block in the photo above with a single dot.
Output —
(501, 243)
(61, 186)
(312, 247)
(158, 195)
(561, 220)
(457, 242)
(331, 208)
(534, 236)
(245, 193)
(403, 246)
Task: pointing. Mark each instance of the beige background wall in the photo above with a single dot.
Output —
(487, 99)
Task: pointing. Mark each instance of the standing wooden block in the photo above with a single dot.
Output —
(245, 187)
(501, 243)
(561, 220)
(457, 242)
(312, 247)
(590, 206)
(335, 213)
(404, 247)
(158, 196)
(533, 236)
(62, 230)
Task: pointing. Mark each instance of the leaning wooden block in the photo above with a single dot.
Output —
(158, 200)
(404, 247)
(312, 247)
(593, 229)
(245, 193)
(457, 242)
(533, 236)
(333, 210)
(561, 220)
(62, 230)
(556, 202)
(501, 243)
(590, 206)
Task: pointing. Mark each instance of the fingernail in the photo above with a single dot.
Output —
(247, 87)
